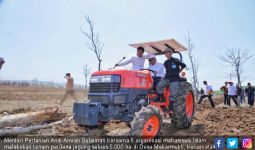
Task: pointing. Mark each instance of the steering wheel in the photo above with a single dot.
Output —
(150, 71)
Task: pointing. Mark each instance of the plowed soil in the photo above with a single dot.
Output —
(208, 121)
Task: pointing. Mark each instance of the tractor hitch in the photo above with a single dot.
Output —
(86, 113)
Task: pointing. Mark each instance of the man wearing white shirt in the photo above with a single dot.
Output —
(158, 70)
(208, 93)
(137, 61)
(232, 93)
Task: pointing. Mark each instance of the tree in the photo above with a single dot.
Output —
(94, 44)
(86, 72)
(193, 65)
(236, 57)
(1, 62)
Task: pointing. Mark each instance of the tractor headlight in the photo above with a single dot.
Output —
(101, 79)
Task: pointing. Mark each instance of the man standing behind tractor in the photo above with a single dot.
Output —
(69, 89)
(208, 93)
(250, 94)
(173, 67)
(224, 89)
(158, 70)
(232, 93)
(137, 61)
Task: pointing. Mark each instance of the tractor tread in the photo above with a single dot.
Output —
(179, 118)
(141, 117)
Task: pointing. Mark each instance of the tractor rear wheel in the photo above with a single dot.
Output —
(146, 123)
(183, 107)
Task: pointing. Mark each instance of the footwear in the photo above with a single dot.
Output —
(156, 99)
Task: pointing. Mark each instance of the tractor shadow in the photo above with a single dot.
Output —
(168, 130)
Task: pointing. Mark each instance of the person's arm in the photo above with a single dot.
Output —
(182, 64)
(222, 89)
(210, 91)
(246, 91)
(125, 62)
(68, 78)
(147, 56)
(161, 71)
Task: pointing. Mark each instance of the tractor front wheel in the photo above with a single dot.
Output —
(146, 123)
(183, 107)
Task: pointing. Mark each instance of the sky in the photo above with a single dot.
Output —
(42, 39)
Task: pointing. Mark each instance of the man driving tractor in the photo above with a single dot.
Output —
(158, 70)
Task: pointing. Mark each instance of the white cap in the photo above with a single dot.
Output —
(151, 56)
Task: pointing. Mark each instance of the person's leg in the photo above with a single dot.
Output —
(160, 87)
(235, 101)
(249, 100)
(72, 93)
(201, 98)
(63, 99)
(225, 99)
(228, 100)
(174, 88)
(240, 100)
(211, 101)
(252, 101)
(156, 80)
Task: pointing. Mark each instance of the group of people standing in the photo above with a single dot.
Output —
(238, 93)
(230, 92)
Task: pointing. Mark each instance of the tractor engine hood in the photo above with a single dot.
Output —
(128, 78)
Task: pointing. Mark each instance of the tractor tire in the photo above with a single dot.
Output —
(183, 107)
(146, 123)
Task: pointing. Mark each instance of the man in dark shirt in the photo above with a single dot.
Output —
(224, 89)
(250, 94)
(173, 67)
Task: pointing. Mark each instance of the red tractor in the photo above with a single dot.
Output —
(127, 95)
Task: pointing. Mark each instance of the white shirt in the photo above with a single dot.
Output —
(208, 88)
(137, 62)
(232, 90)
(159, 68)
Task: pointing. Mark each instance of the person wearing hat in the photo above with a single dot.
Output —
(69, 90)
(208, 93)
(232, 92)
(136, 61)
(173, 67)
(158, 70)
(250, 94)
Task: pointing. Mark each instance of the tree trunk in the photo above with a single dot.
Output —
(30, 117)
(99, 64)
(239, 79)
(21, 130)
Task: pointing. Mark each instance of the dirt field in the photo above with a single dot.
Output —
(219, 121)
(25, 97)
